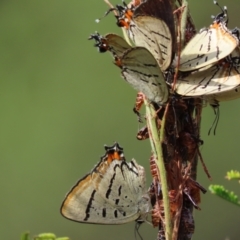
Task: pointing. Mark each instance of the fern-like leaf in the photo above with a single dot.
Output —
(225, 194)
(232, 175)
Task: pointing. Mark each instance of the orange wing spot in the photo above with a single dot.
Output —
(215, 25)
(129, 14)
(117, 156)
(118, 62)
(123, 23)
(114, 156)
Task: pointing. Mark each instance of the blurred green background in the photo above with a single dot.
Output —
(61, 101)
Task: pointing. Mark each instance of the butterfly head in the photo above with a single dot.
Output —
(100, 42)
(114, 152)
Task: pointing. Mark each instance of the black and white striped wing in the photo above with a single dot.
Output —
(123, 186)
(117, 45)
(141, 70)
(154, 35)
(215, 80)
(207, 47)
(113, 193)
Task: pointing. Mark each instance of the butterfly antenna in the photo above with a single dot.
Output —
(223, 14)
(137, 226)
(215, 122)
(111, 9)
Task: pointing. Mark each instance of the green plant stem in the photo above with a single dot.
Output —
(156, 143)
(183, 22)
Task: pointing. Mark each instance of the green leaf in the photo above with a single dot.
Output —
(233, 174)
(43, 236)
(225, 194)
(25, 236)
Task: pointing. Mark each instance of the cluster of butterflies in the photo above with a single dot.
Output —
(114, 191)
(208, 66)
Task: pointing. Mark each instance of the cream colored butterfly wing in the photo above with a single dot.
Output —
(139, 67)
(153, 27)
(218, 79)
(113, 193)
(233, 93)
(153, 34)
(208, 46)
(117, 45)
(123, 186)
(225, 96)
(85, 204)
(141, 70)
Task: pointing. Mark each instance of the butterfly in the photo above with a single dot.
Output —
(112, 193)
(217, 82)
(150, 25)
(138, 66)
(209, 45)
(234, 92)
